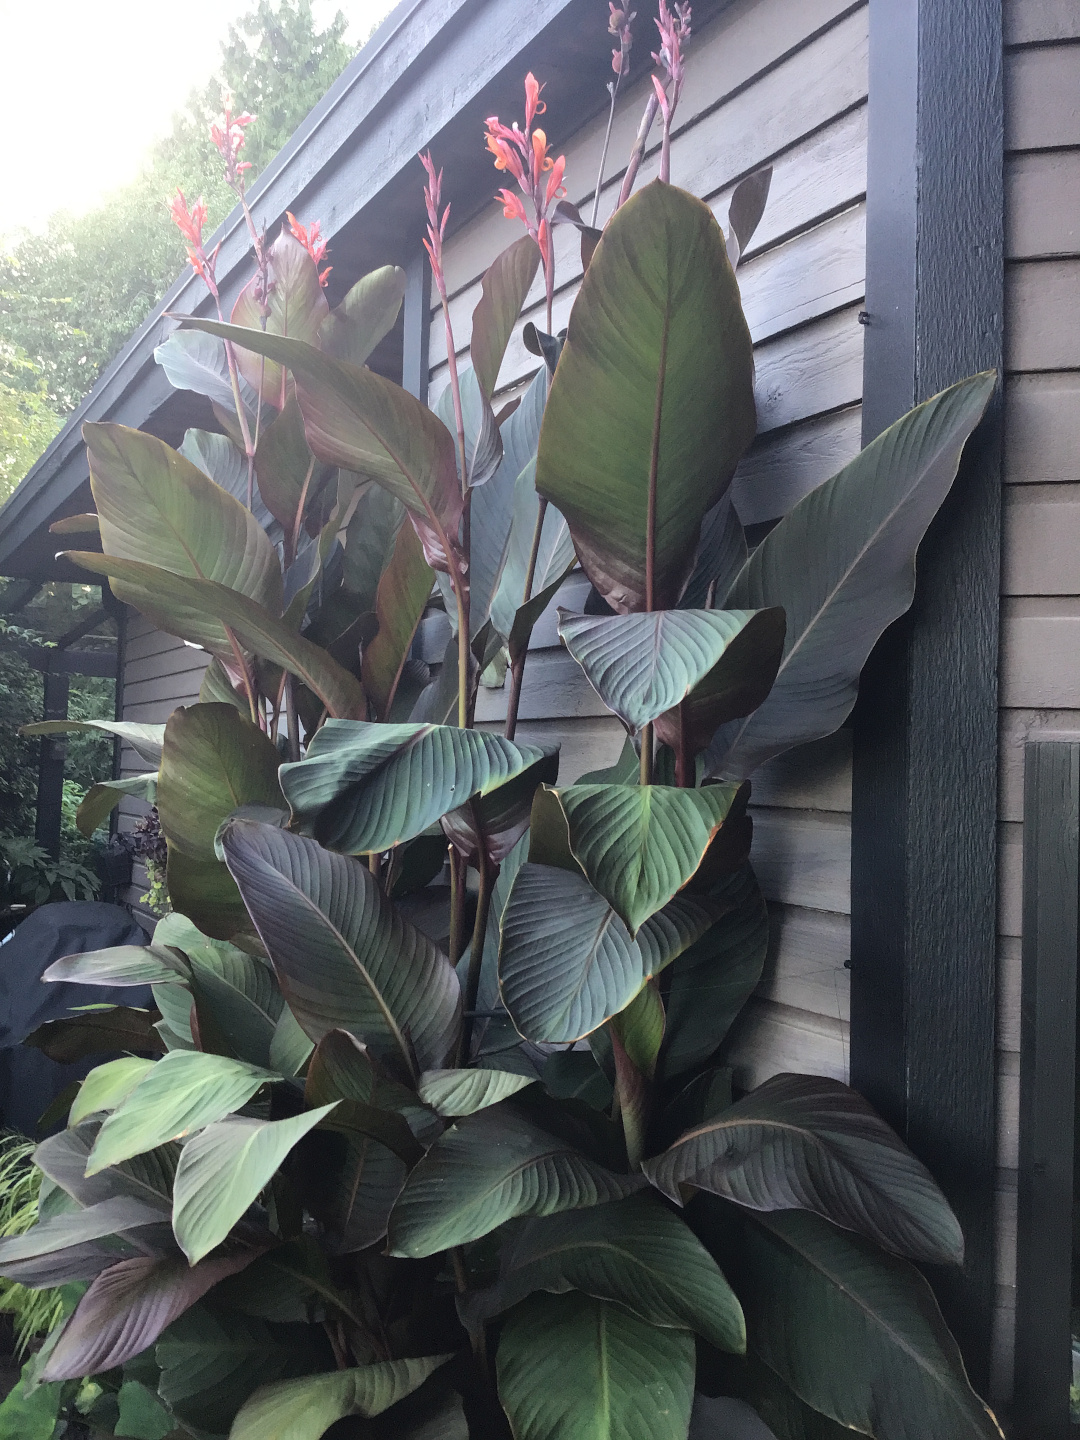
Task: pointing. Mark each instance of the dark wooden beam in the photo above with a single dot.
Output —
(924, 801)
(1051, 920)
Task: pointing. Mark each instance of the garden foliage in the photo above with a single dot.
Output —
(465, 1156)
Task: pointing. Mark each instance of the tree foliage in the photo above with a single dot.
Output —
(70, 298)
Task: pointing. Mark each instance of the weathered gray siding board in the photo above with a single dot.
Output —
(1042, 104)
(1032, 21)
(1043, 204)
(1041, 552)
(1040, 663)
(1042, 428)
(1042, 311)
(814, 370)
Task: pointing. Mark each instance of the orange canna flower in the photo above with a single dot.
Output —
(190, 224)
(312, 241)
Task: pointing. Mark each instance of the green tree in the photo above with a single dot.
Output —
(70, 298)
(27, 422)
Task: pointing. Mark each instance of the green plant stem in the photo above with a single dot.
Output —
(248, 688)
(294, 538)
(613, 90)
(457, 906)
(682, 760)
(461, 595)
(488, 875)
(638, 152)
(646, 770)
(517, 668)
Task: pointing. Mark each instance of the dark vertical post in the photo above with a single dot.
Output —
(1051, 918)
(924, 800)
(50, 792)
(417, 321)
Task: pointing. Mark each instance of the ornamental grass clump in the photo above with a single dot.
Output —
(439, 1131)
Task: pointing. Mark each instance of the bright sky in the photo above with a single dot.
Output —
(86, 86)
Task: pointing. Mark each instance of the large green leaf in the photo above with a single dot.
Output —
(639, 844)
(106, 1086)
(712, 979)
(284, 464)
(63, 1158)
(181, 1093)
(344, 957)
(643, 665)
(366, 424)
(121, 965)
(368, 312)
(145, 740)
(212, 1358)
(487, 1169)
(74, 1037)
(567, 962)
(809, 1143)
(403, 591)
(296, 306)
(842, 565)
(101, 799)
(367, 787)
(238, 1005)
(483, 440)
(658, 310)
(128, 1306)
(255, 626)
(635, 1253)
(157, 508)
(214, 760)
(305, 1409)
(503, 290)
(721, 555)
(464, 1092)
(369, 543)
(198, 362)
(371, 1102)
(574, 1368)
(79, 1245)
(856, 1334)
(224, 1168)
(226, 464)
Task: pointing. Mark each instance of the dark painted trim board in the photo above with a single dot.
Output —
(1051, 920)
(924, 802)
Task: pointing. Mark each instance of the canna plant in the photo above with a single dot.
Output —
(462, 1157)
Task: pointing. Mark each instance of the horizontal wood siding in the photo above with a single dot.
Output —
(1040, 633)
(767, 82)
(160, 673)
